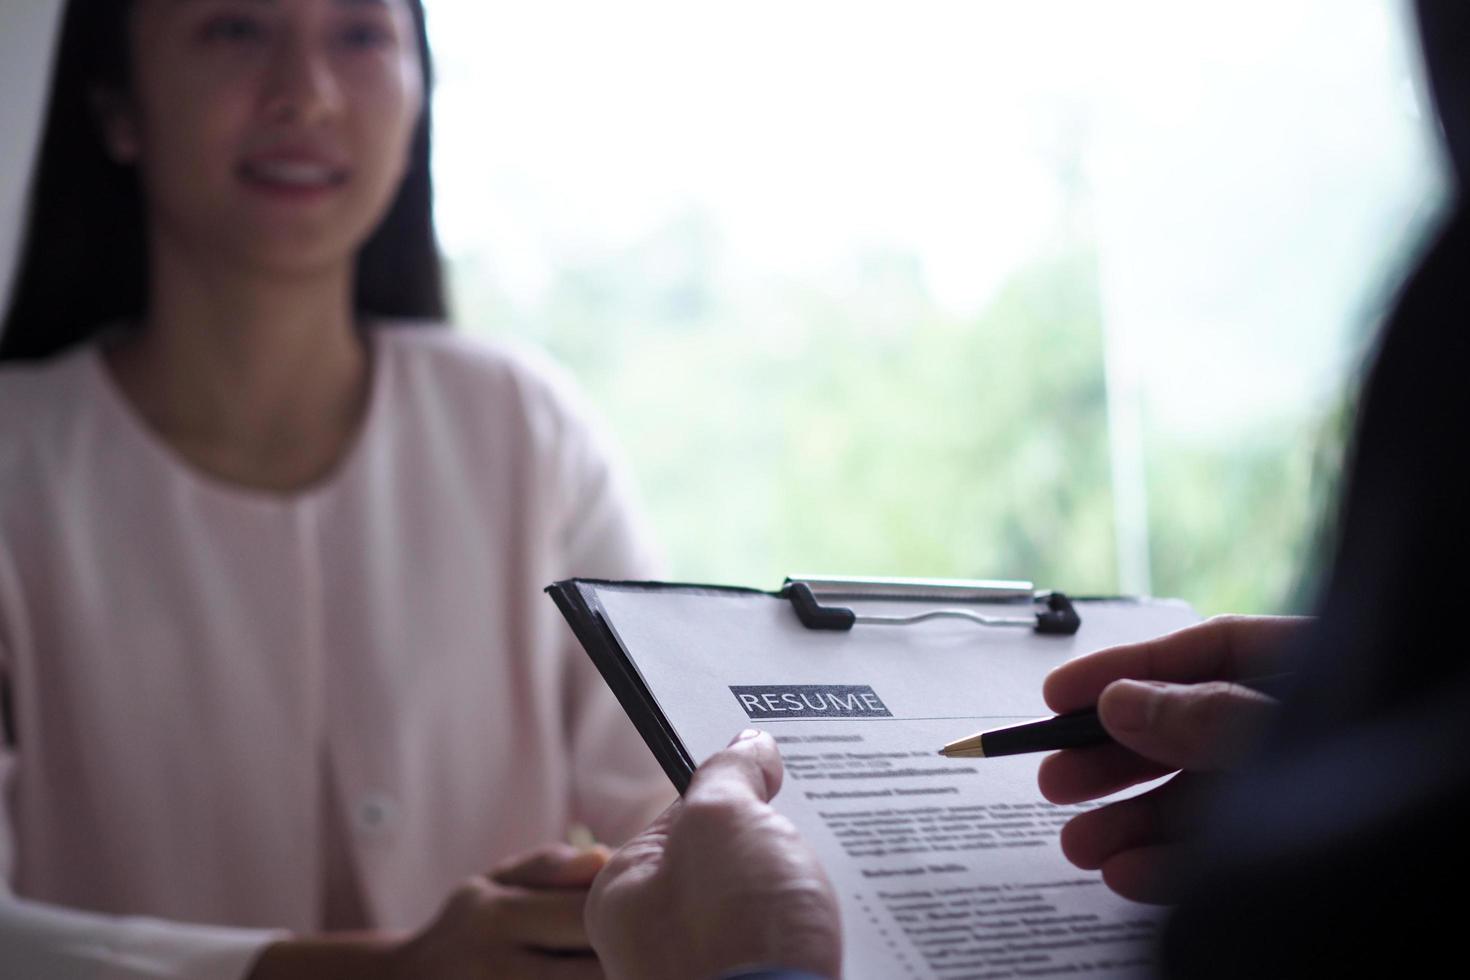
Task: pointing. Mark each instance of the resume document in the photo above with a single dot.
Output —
(945, 868)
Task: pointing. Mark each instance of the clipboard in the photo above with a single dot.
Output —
(942, 867)
(817, 601)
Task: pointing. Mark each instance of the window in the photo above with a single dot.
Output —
(1065, 291)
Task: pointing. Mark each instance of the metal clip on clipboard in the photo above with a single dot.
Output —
(1052, 612)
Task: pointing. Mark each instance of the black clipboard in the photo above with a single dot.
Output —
(818, 602)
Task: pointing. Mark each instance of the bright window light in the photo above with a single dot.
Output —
(1061, 290)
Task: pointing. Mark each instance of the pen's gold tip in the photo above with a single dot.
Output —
(964, 748)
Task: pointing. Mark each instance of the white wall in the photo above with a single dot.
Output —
(27, 37)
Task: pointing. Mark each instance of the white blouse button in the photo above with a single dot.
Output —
(376, 813)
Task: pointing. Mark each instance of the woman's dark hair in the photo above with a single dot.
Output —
(83, 257)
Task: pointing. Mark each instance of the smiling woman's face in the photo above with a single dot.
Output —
(269, 134)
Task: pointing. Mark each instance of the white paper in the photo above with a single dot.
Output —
(945, 868)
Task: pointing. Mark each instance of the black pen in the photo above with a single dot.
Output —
(1074, 730)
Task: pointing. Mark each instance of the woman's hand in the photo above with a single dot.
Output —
(718, 881)
(524, 919)
(1169, 704)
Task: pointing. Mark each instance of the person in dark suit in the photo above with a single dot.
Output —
(1297, 837)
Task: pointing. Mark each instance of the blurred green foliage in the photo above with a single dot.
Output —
(779, 426)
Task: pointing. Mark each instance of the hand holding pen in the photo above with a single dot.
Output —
(1170, 704)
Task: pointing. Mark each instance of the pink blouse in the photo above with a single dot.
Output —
(262, 712)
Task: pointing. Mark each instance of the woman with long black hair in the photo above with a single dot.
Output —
(276, 666)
